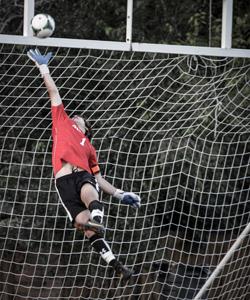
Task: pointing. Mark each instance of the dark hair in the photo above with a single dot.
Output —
(88, 133)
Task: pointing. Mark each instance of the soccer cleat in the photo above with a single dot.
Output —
(94, 226)
(122, 271)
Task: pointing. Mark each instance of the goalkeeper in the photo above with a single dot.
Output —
(76, 170)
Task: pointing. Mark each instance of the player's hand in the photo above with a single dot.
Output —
(128, 198)
(38, 58)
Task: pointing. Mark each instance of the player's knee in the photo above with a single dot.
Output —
(81, 227)
(82, 218)
(96, 211)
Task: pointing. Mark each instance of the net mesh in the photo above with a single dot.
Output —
(173, 129)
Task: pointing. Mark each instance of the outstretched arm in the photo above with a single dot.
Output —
(41, 62)
(52, 90)
(125, 197)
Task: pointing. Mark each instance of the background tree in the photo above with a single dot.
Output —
(196, 23)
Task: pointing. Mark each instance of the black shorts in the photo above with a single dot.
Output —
(69, 190)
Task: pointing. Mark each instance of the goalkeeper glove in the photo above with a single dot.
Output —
(40, 60)
(128, 198)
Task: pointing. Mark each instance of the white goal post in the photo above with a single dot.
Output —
(244, 234)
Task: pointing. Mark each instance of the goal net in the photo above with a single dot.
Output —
(173, 129)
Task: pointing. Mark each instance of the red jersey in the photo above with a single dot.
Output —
(70, 144)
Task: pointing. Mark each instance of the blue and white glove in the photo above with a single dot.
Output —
(40, 60)
(128, 198)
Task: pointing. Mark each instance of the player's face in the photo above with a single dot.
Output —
(80, 123)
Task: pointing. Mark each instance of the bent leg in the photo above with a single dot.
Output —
(92, 216)
(96, 240)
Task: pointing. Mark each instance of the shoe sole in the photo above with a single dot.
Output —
(126, 278)
(97, 228)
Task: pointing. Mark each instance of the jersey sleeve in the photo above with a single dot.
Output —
(58, 114)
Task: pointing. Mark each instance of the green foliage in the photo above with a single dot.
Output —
(241, 31)
(188, 23)
(197, 23)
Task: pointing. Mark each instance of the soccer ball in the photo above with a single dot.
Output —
(43, 25)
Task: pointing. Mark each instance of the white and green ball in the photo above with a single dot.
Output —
(43, 25)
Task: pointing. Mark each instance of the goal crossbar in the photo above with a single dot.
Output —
(123, 46)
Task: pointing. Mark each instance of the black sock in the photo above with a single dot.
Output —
(102, 247)
(96, 211)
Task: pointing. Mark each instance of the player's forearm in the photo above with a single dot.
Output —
(105, 185)
(41, 62)
(125, 197)
(52, 90)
